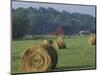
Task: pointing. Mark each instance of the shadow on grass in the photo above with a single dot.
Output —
(71, 48)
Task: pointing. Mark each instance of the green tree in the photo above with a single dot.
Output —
(19, 23)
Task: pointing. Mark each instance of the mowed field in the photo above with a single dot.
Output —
(77, 55)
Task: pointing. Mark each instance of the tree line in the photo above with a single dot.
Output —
(40, 21)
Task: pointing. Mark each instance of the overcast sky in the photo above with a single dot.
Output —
(90, 10)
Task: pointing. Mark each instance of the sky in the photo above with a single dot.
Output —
(82, 9)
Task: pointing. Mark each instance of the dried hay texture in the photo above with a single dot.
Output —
(92, 39)
(60, 44)
(39, 59)
(46, 43)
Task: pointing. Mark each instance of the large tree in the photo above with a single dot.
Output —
(19, 23)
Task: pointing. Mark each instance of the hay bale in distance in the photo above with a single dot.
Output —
(39, 59)
(46, 43)
(60, 44)
(92, 39)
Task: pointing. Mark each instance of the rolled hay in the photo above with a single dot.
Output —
(46, 43)
(59, 43)
(39, 59)
(92, 39)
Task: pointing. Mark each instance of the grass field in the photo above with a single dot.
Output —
(78, 55)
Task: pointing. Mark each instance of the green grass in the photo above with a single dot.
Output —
(78, 55)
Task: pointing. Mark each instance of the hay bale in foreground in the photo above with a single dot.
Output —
(39, 59)
(92, 39)
(60, 44)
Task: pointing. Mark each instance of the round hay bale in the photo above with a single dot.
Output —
(39, 59)
(60, 44)
(92, 39)
(46, 43)
(54, 57)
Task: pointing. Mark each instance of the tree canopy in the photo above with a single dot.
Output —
(40, 21)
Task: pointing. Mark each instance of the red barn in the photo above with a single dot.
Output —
(59, 31)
